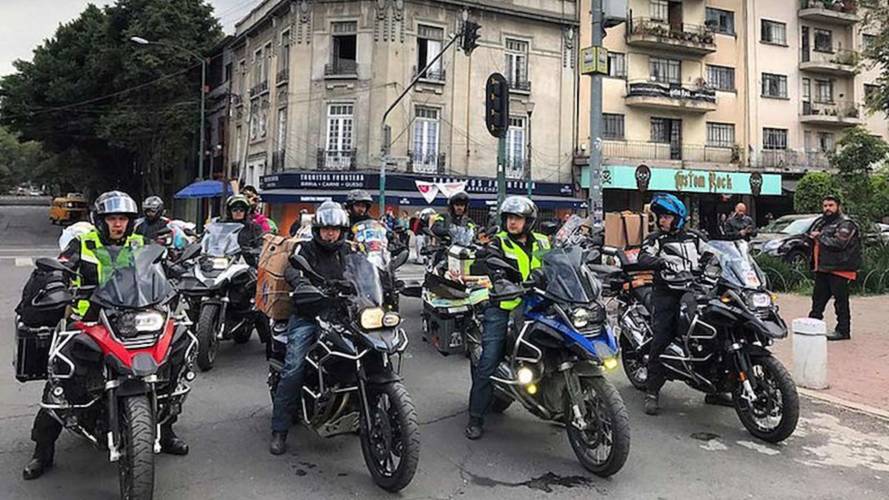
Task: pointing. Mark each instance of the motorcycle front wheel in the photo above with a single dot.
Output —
(208, 343)
(391, 446)
(774, 414)
(137, 435)
(603, 447)
(634, 366)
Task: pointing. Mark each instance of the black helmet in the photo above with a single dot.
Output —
(460, 198)
(237, 200)
(358, 196)
(114, 203)
(521, 206)
(155, 204)
(330, 214)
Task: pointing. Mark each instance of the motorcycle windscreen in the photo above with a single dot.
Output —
(566, 279)
(221, 239)
(365, 277)
(461, 235)
(736, 266)
(373, 242)
(137, 283)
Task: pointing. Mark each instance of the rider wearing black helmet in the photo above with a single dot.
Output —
(358, 203)
(93, 256)
(458, 215)
(326, 252)
(237, 209)
(522, 248)
(153, 220)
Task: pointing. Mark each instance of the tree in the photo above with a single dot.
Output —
(857, 156)
(116, 113)
(20, 162)
(811, 190)
(876, 22)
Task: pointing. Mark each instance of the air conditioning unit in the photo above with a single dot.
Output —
(614, 12)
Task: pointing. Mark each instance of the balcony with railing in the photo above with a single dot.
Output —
(516, 168)
(633, 151)
(835, 61)
(432, 76)
(341, 68)
(671, 96)
(838, 113)
(336, 159)
(792, 160)
(426, 163)
(842, 12)
(520, 86)
(283, 76)
(279, 160)
(658, 34)
(259, 89)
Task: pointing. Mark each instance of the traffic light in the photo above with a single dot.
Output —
(497, 105)
(470, 36)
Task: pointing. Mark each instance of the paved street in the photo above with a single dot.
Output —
(691, 451)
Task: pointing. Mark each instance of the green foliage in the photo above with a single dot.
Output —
(117, 113)
(812, 188)
(19, 161)
(876, 22)
(873, 277)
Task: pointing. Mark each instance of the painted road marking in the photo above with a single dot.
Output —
(23, 262)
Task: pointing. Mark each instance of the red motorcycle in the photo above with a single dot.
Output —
(119, 374)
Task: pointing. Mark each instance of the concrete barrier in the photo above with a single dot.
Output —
(810, 353)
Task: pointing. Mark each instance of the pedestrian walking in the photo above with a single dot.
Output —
(836, 255)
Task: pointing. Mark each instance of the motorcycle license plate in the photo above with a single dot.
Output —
(752, 279)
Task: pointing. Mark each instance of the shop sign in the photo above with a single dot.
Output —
(687, 181)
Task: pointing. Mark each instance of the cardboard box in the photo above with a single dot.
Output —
(272, 290)
(625, 229)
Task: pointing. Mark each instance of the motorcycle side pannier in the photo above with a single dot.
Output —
(31, 351)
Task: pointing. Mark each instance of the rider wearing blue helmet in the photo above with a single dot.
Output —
(670, 250)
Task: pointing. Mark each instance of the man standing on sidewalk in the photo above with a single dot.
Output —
(739, 225)
(836, 255)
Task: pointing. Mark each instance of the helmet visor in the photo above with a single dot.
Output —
(116, 205)
(332, 217)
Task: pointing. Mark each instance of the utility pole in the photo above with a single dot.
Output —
(595, 189)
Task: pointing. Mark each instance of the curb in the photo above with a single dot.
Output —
(848, 405)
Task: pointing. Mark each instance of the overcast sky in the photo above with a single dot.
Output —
(25, 24)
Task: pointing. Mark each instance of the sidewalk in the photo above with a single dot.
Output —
(857, 368)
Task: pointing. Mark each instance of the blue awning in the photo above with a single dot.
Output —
(204, 189)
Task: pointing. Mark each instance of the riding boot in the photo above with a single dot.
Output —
(652, 406)
(171, 443)
(475, 429)
(40, 462)
(279, 443)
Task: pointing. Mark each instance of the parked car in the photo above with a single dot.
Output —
(785, 237)
(68, 209)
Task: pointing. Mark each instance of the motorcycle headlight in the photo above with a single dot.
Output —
(581, 317)
(372, 318)
(760, 300)
(219, 263)
(391, 320)
(148, 321)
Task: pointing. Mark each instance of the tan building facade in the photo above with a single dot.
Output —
(312, 80)
(729, 86)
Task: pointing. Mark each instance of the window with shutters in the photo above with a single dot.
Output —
(823, 41)
(665, 70)
(774, 85)
(774, 138)
(617, 65)
(721, 77)
(343, 58)
(720, 21)
(659, 9)
(284, 57)
(429, 39)
(826, 142)
(515, 148)
(426, 135)
(774, 32)
(517, 64)
(824, 91)
(612, 126)
(339, 136)
(720, 135)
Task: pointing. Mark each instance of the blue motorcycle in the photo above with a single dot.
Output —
(559, 347)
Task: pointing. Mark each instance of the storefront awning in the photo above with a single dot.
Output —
(407, 198)
(685, 180)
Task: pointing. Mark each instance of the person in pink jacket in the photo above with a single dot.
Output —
(256, 216)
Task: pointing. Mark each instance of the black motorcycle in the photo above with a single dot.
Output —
(728, 319)
(352, 379)
(220, 287)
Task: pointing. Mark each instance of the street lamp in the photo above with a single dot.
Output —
(141, 41)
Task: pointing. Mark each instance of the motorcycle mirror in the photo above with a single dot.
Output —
(549, 227)
(47, 264)
(301, 263)
(400, 259)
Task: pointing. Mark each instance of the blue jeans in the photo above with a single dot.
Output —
(300, 337)
(493, 338)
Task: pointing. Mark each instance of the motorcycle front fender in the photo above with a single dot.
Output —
(132, 387)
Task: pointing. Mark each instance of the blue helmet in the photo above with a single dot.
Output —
(665, 203)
